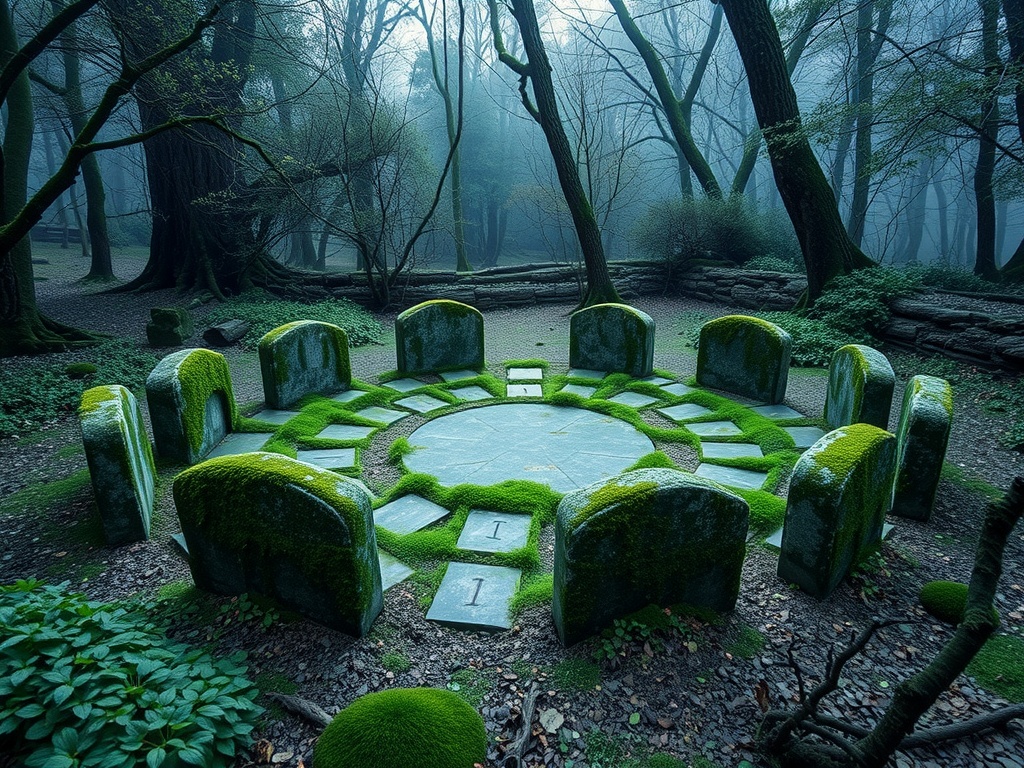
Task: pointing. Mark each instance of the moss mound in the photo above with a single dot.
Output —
(945, 600)
(420, 727)
(80, 370)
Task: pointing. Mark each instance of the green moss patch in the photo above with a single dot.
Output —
(999, 667)
(945, 600)
(42, 497)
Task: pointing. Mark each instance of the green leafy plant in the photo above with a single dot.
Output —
(265, 314)
(857, 303)
(80, 370)
(93, 684)
(870, 574)
(393, 661)
(748, 643)
(645, 630)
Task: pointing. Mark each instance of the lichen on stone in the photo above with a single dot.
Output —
(439, 335)
(745, 355)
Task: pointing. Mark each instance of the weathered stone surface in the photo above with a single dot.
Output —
(922, 437)
(612, 337)
(439, 335)
(168, 327)
(225, 334)
(191, 404)
(860, 385)
(745, 355)
(120, 461)
(302, 358)
(839, 494)
(268, 524)
(647, 536)
(474, 596)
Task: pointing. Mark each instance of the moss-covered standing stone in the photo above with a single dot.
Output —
(191, 404)
(922, 438)
(860, 385)
(439, 335)
(120, 461)
(647, 536)
(302, 535)
(302, 358)
(168, 326)
(745, 355)
(838, 498)
(612, 337)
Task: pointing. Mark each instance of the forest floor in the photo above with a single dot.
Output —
(689, 694)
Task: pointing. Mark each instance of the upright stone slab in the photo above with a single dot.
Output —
(168, 326)
(860, 385)
(745, 355)
(302, 358)
(838, 497)
(922, 438)
(120, 461)
(439, 335)
(191, 404)
(648, 536)
(302, 535)
(614, 338)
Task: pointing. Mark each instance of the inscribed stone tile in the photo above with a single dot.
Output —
(408, 513)
(523, 390)
(346, 432)
(475, 596)
(494, 531)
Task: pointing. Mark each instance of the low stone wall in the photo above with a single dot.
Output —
(749, 289)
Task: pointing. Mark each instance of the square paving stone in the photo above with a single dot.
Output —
(494, 531)
(329, 458)
(778, 411)
(346, 432)
(459, 375)
(776, 538)
(471, 394)
(421, 403)
(523, 390)
(730, 450)
(383, 415)
(475, 596)
(403, 385)
(732, 476)
(714, 429)
(392, 570)
(586, 373)
(656, 380)
(678, 389)
(804, 437)
(633, 399)
(348, 395)
(525, 374)
(240, 442)
(579, 389)
(272, 416)
(408, 513)
(684, 411)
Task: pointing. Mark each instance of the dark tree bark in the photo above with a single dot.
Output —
(985, 257)
(826, 247)
(916, 212)
(301, 250)
(1013, 10)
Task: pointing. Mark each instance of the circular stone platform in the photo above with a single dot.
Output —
(563, 448)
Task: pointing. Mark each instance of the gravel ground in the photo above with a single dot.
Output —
(693, 695)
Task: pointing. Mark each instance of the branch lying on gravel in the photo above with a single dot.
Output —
(976, 726)
(307, 710)
(517, 747)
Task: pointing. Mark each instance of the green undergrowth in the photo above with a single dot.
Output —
(536, 589)
(748, 643)
(999, 667)
(41, 497)
(956, 475)
(576, 674)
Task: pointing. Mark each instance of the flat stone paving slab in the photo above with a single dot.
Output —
(714, 428)
(408, 513)
(392, 570)
(240, 442)
(475, 596)
(459, 375)
(730, 450)
(348, 395)
(656, 380)
(383, 415)
(421, 403)
(486, 531)
(678, 389)
(779, 411)
(564, 448)
(632, 399)
(776, 538)
(345, 432)
(403, 385)
(734, 477)
(273, 416)
(525, 374)
(579, 389)
(586, 373)
(684, 411)
(329, 458)
(524, 390)
(804, 437)
(471, 394)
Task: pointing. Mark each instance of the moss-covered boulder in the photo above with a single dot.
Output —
(191, 404)
(120, 461)
(839, 494)
(745, 355)
(647, 536)
(921, 440)
(860, 385)
(612, 337)
(299, 534)
(302, 358)
(404, 728)
(439, 335)
(168, 327)
(945, 600)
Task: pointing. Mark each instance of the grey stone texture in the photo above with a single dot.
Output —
(486, 531)
(860, 386)
(302, 358)
(744, 355)
(730, 450)
(239, 442)
(408, 513)
(839, 494)
(804, 437)
(579, 389)
(612, 337)
(471, 393)
(328, 458)
(473, 596)
(714, 428)
(268, 524)
(439, 335)
(633, 399)
(120, 461)
(648, 536)
(422, 403)
(734, 477)
(922, 437)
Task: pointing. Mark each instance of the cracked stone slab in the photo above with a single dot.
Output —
(586, 373)
(730, 450)
(632, 399)
(685, 411)
(471, 394)
(274, 416)
(348, 395)
(524, 390)
(392, 570)
(579, 389)
(778, 411)
(450, 376)
(804, 437)
(403, 385)
(678, 389)
(525, 374)
(714, 429)
(421, 403)
(240, 442)
(734, 477)
(345, 432)
(494, 531)
(408, 513)
(382, 415)
(329, 458)
(475, 597)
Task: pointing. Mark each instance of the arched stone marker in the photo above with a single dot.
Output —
(922, 438)
(860, 385)
(439, 335)
(745, 355)
(612, 337)
(302, 358)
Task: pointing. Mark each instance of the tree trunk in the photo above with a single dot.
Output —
(985, 257)
(938, 184)
(1014, 12)
(827, 249)
(916, 212)
(62, 206)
